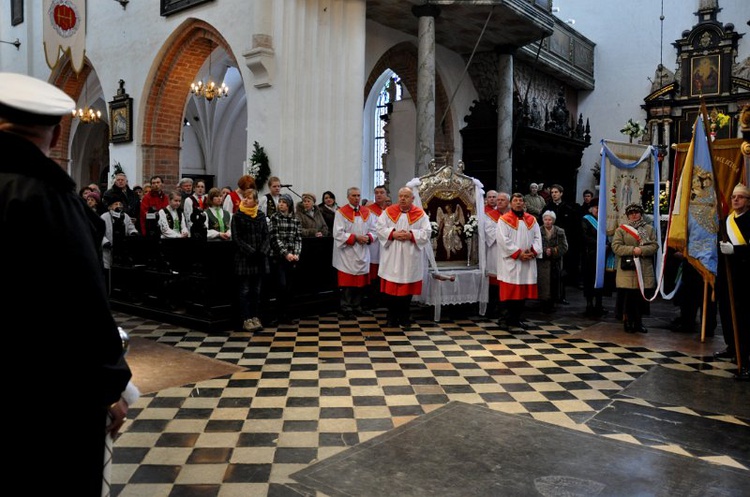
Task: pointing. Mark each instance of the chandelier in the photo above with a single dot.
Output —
(209, 90)
(86, 114)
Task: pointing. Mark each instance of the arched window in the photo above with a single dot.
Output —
(385, 92)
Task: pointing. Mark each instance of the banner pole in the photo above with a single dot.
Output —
(704, 313)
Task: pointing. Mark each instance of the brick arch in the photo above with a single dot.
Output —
(403, 60)
(183, 57)
(65, 78)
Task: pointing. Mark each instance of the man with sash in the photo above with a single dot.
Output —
(403, 230)
(736, 253)
(519, 244)
(376, 208)
(353, 231)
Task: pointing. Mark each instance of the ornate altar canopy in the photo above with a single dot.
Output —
(455, 268)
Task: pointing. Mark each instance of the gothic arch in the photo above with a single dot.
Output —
(403, 60)
(64, 77)
(83, 150)
(180, 61)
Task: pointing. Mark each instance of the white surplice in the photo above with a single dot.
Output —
(352, 258)
(403, 262)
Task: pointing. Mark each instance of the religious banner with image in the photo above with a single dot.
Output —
(624, 185)
(624, 169)
(64, 24)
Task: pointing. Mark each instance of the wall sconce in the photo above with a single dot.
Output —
(16, 43)
(124, 3)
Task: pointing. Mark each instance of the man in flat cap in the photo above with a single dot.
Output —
(50, 249)
(736, 253)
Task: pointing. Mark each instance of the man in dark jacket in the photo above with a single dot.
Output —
(569, 219)
(58, 298)
(131, 202)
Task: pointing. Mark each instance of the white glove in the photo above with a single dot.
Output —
(726, 248)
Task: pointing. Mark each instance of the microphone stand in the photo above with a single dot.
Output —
(290, 189)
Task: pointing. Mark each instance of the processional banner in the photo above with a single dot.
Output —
(694, 220)
(64, 24)
(728, 166)
(624, 169)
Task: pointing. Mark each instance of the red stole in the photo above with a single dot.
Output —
(394, 211)
(375, 209)
(512, 220)
(492, 213)
(349, 213)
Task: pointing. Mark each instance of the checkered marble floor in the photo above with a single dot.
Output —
(315, 388)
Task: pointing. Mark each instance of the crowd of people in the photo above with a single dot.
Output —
(537, 244)
(378, 254)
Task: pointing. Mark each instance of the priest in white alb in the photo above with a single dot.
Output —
(353, 231)
(519, 244)
(403, 230)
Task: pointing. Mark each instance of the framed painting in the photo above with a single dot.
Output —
(16, 12)
(121, 120)
(169, 7)
(705, 74)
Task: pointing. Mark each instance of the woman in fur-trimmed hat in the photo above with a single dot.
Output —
(634, 240)
(310, 218)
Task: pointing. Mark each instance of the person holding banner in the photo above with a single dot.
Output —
(634, 244)
(736, 252)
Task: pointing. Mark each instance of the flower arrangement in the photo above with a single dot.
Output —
(663, 203)
(633, 129)
(719, 119)
(471, 226)
(435, 227)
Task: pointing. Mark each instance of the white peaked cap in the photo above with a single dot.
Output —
(32, 95)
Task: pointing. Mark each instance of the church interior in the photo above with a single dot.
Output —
(459, 98)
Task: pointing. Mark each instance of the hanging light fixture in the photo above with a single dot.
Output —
(87, 114)
(209, 90)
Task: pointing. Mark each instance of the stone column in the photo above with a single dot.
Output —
(505, 119)
(425, 87)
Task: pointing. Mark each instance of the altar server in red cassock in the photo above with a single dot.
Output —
(376, 208)
(519, 244)
(353, 231)
(403, 230)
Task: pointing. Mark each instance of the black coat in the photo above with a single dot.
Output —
(56, 293)
(252, 236)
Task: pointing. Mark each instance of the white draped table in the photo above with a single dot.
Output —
(467, 286)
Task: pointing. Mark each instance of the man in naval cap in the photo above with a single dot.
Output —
(55, 290)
